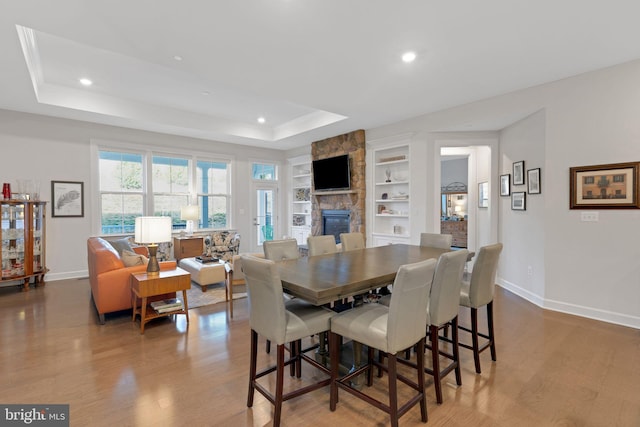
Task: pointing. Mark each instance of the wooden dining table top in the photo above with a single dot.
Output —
(325, 278)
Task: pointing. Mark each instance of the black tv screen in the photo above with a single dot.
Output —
(332, 173)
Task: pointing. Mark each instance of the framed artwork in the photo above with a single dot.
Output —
(505, 185)
(533, 181)
(518, 173)
(610, 186)
(519, 201)
(483, 195)
(67, 199)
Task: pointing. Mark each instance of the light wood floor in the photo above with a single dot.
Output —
(552, 369)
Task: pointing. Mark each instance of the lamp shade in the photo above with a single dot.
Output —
(153, 229)
(189, 213)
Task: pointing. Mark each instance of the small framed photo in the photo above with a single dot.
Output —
(505, 185)
(518, 173)
(533, 181)
(610, 186)
(67, 199)
(483, 195)
(518, 201)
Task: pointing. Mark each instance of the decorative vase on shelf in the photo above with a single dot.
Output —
(388, 174)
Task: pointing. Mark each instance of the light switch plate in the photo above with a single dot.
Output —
(590, 216)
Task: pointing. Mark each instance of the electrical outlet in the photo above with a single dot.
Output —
(589, 216)
(530, 271)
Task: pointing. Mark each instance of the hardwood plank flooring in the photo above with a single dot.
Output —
(553, 369)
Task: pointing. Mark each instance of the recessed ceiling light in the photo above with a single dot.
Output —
(206, 93)
(177, 58)
(85, 82)
(261, 120)
(409, 56)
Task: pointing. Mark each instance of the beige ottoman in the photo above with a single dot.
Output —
(204, 274)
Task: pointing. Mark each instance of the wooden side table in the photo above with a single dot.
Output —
(186, 247)
(145, 285)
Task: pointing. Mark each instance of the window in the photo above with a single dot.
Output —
(170, 183)
(213, 189)
(121, 191)
(133, 184)
(588, 180)
(264, 172)
(618, 178)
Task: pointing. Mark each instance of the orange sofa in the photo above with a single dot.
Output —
(110, 279)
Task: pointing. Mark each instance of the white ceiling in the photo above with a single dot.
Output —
(312, 68)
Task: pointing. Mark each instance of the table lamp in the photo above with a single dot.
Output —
(149, 231)
(190, 214)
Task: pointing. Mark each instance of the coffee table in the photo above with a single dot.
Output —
(144, 285)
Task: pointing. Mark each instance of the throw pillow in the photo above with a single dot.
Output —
(130, 258)
(121, 245)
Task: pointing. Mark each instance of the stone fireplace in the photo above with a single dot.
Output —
(353, 201)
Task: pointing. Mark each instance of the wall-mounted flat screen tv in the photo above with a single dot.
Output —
(332, 173)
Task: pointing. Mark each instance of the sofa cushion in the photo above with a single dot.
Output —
(130, 258)
(121, 245)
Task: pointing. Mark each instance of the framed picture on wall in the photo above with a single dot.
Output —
(505, 185)
(67, 199)
(609, 186)
(519, 201)
(533, 181)
(518, 173)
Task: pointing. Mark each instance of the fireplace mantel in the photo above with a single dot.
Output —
(333, 193)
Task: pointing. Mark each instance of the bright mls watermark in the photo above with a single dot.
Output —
(34, 415)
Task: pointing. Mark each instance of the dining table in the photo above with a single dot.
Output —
(326, 278)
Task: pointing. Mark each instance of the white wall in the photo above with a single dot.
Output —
(44, 149)
(585, 268)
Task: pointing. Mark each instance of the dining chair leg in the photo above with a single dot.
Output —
(474, 339)
(435, 361)
(492, 339)
(393, 389)
(334, 357)
(420, 366)
(292, 366)
(456, 349)
(268, 347)
(370, 356)
(252, 367)
(279, 385)
(298, 355)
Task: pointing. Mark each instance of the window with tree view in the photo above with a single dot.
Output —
(121, 191)
(170, 183)
(136, 184)
(212, 186)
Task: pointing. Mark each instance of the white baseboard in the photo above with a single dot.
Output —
(52, 277)
(568, 308)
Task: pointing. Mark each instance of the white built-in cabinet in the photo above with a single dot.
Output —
(391, 198)
(300, 198)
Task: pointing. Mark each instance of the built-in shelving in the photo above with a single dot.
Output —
(300, 208)
(391, 203)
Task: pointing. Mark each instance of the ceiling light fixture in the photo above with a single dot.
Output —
(85, 82)
(409, 57)
(177, 57)
(261, 120)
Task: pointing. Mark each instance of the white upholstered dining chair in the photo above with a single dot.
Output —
(282, 324)
(321, 245)
(352, 241)
(478, 292)
(434, 240)
(278, 250)
(389, 330)
(444, 303)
